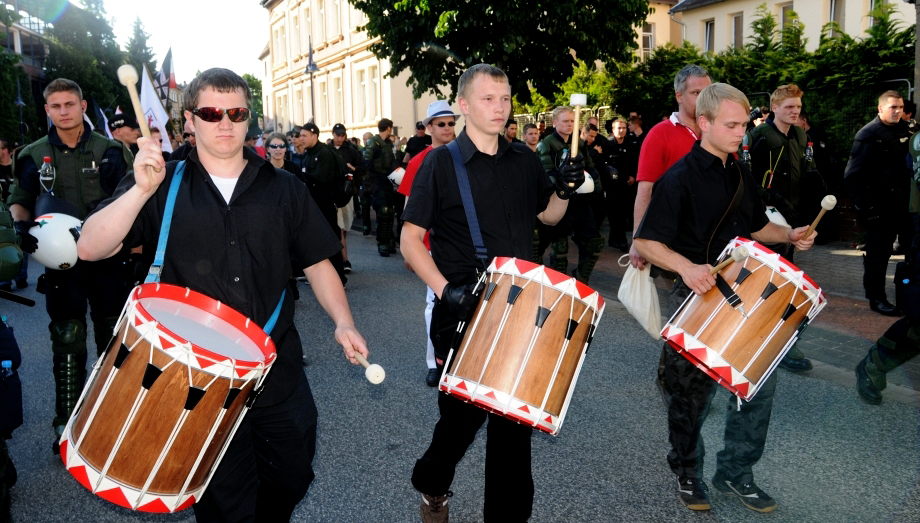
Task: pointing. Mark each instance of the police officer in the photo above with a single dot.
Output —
(87, 167)
(380, 161)
(579, 218)
(10, 387)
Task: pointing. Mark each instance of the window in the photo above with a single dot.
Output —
(334, 18)
(738, 30)
(373, 88)
(338, 101)
(322, 104)
(298, 102)
(320, 25)
(835, 13)
(295, 35)
(785, 15)
(360, 107)
(278, 51)
(648, 40)
(709, 36)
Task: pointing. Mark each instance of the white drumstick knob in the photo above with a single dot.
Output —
(374, 373)
(127, 75)
(828, 202)
(578, 99)
(737, 255)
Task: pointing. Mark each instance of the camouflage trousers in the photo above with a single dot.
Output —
(689, 394)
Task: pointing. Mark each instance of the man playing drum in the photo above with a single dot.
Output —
(701, 203)
(509, 188)
(239, 225)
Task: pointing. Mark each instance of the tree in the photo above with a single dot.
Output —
(255, 87)
(82, 47)
(139, 54)
(534, 41)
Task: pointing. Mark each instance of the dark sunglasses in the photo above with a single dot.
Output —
(216, 114)
(186, 135)
(276, 146)
(442, 124)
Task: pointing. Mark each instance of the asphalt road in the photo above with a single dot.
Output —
(828, 456)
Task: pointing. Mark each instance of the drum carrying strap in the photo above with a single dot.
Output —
(466, 196)
(153, 276)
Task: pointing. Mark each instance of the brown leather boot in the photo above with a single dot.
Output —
(434, 509)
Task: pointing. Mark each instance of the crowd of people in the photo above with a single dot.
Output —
(672, 197)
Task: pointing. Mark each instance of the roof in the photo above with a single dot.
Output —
(687, 5)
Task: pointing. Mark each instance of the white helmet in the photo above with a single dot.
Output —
(397, 175)
(57, 236)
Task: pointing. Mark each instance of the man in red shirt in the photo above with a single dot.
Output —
(667, 142)
(440, 123)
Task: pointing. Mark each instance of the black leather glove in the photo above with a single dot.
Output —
(27, 242)
(459, 299)
(571, 174)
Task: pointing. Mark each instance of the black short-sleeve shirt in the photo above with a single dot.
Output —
(691, 200)
(509, 189)
(241, 253)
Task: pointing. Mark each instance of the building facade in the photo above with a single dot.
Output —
(349, 84)
(659, 28)
(716, 25)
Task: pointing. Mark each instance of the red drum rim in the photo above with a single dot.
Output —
(789, 265)
(519, 267)
(244, 325)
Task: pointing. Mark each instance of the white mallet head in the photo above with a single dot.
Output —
(828, 202)
(587, 187)
(375, 374)
(740, 254)
(578, 99)
(127, 75)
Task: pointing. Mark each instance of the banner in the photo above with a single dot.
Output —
(153, 109)
(165, 79)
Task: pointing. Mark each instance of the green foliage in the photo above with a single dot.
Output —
(255, 87)
(531, 40)
(10, 74)
(83, 49)
(139, 54)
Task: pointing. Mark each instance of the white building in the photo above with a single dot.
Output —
(349, 86)
(715, 25)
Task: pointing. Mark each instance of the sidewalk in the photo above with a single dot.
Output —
(843, 331)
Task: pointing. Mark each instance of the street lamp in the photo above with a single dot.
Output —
(312, 68)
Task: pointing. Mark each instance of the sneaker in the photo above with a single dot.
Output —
(433, 509)
(347, 266)
(692, 493)
(749, 493)
(431, 379)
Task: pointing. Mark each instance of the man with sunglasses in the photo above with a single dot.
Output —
(440, 122)
(188, 134)
(239, 228)
(87, 168)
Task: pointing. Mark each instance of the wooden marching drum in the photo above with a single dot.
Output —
(522, 352)
(738, 332)
(165, 399)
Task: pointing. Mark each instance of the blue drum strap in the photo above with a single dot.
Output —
(270, 324)
(153, 276)
(466, 196)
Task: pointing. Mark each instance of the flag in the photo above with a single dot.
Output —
(153, 110)
(165, 79)
(101, 119)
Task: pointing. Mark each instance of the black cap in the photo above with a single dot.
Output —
(122, 120)
(310, 126)
(338, 129)
(419, 126)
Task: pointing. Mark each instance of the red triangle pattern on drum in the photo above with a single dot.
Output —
(116, 496)
(556, 277)
(724, 372)
(156, 505)
(678, 339)
(461, 385)
(701, 355)
(549, 419)
(79, 474)
(188, 503)
(166, 344)
(491, 395)
(743, 389)
(524, 266)
(138, 321)
(583, 290)
(524, 408)
(63, 450)
(665, 332)
(501, 262)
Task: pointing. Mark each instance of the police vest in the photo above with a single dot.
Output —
(77, 170)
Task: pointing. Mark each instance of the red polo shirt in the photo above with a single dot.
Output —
(666, 143)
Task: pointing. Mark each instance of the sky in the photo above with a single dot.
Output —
(202, 33)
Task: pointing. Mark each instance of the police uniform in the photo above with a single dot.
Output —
(579, 220)
(380, 160)
(85, 175)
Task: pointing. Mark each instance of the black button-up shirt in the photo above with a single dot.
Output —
(690, 201)
(243, 252)
(509, 190)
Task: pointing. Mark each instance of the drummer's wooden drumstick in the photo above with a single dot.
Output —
(739, 254)
(373, 372)
(827, 203)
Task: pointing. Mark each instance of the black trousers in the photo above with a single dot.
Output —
(267, 468)
(508, 483)
(880, 235)
(690, 394)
